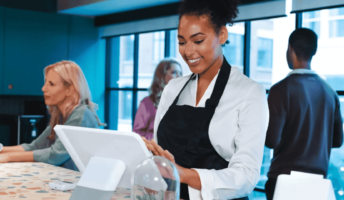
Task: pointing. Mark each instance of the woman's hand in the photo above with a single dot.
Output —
(4, 158)
(188, 176)
(157, 150)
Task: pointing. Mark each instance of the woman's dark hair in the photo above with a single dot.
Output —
(304, 43)
(220, 12)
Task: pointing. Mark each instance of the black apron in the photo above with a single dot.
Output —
(184, 131)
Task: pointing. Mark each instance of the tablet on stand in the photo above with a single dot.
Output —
(106, 159)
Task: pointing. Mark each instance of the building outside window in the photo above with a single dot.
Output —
(336, 22)
(328, 61)
(159, 45)
(269, 43)
(311, 20)
(265, 46)
(234, 51)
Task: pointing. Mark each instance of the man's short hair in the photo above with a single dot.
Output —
(304, 43)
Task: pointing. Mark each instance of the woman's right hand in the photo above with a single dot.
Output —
(157, 150)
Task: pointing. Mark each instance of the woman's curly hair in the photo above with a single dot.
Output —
(220, 12)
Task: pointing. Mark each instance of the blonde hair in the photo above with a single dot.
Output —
(158, 82)
(72, 76)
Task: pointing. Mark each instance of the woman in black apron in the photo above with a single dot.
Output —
(183, 132)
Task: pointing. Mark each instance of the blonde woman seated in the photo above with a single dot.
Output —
(68, 97)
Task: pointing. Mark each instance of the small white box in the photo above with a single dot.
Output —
(301, 186)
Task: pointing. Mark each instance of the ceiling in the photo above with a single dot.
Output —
(105, 7)
(108, 12)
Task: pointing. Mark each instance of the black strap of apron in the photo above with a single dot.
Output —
(220, 85)
(177, 98)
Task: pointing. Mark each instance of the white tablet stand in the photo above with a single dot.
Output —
(99, 180)
(301, 186)
(106, 159)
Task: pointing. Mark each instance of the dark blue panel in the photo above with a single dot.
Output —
(2, 30)
(33, 40)
(86, 49)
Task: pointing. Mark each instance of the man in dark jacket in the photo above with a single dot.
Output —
(305, 120)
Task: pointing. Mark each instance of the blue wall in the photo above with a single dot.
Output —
(30, 40)
(2, 31)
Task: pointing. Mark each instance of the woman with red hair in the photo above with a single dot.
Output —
(67, 95)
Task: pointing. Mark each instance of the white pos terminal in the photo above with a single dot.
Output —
(106, 159)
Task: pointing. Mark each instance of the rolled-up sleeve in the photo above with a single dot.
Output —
(39, 143)
(243, 172)
(56, 154)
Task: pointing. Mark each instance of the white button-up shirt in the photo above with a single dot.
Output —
(237, 132)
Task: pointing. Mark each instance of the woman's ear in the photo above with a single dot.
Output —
(223, 35)
(70, 90)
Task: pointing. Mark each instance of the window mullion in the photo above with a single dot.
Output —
(298, 23)
(167, 43)
(135, 75)
(247, 48)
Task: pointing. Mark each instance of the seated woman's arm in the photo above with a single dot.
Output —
(57, 154)
(17, 157)
(25, 152)
(40, 149)
(18, 148)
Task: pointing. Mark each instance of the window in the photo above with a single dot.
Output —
(234, 51)
(128, 47)
(264, 59)
(328, 62)
(269, 43)
(128, 78)
(151, 52)
(336, 23)
(120, 77)
(336, 167)
(311, 20)
(159, 45)
(336, 28)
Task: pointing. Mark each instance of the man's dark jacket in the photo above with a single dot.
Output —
(305, 123)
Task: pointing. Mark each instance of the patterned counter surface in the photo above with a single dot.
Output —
(31, 181)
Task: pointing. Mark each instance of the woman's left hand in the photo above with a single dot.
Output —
(158, 151)
(4, 158)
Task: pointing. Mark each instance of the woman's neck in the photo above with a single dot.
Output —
(205, 78)
(209, 74)
(62, 108)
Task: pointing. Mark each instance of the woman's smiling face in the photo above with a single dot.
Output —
(199, 45)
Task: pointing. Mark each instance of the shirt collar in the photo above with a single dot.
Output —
(301, 71)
